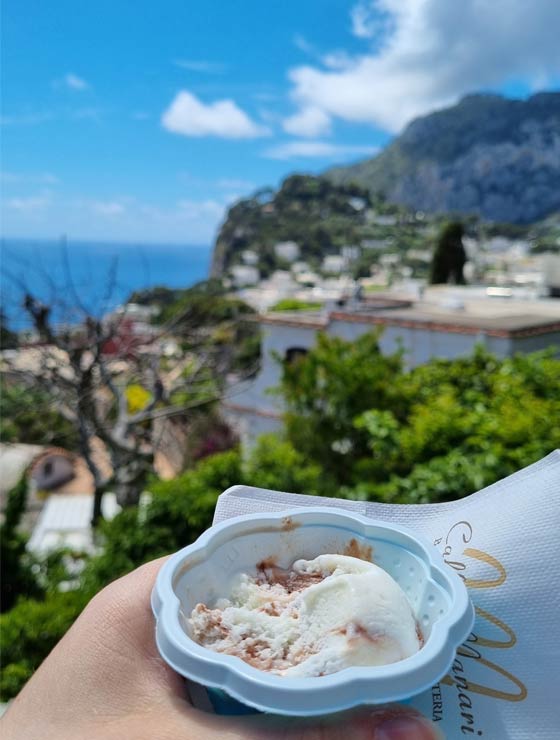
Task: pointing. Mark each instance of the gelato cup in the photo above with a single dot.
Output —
(203, 572)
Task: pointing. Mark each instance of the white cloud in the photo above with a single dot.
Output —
(200, 66)
(71, 81)
(425, 54)
(310, 121)
(189, 116)
(307, 149)
(337, 60)
(29, 204)
(363, 20)
(108, 207)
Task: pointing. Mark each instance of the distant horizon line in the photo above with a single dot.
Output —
(58, 241)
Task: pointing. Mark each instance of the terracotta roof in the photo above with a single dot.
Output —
(59, 451)
(306, 319)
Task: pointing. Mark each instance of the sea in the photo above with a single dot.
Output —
(74, 276)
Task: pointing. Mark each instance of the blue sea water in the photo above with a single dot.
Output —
(98, 275)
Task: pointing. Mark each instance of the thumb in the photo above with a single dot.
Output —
(379, 723)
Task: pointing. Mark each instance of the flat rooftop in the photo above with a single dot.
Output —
(519, 318)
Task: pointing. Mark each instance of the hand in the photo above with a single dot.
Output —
(105, 680)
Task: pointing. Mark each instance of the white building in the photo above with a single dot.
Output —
(350, 252)
(440, 326)
(422, 255)
(358, 204)
(389, 260)
(249, 257)
(498, 244)
(299, 267)
(243, 275)
(66, 522)
(308, 277)
(288, 251)
(376, 243)
(334, 264)
(382, 219)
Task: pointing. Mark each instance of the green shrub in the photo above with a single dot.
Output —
(293, 304)
(16, 564)
(28, 633)
(275, 463)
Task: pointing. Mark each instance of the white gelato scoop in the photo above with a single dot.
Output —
(317, 618)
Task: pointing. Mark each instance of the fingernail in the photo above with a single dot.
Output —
(407, 728)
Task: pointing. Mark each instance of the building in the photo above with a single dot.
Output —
(65, 522)
(243, 275)
(551, 274)
(376, 243)
(299, 267)
(288, 251)
(436, 326)
(249, 257)
(382, 219)
(334, 264)
(52, 468)
(350, 252)
(358, 204)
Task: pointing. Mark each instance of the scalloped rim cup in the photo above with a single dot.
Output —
(344, 689)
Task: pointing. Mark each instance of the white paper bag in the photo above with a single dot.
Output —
(505, 542)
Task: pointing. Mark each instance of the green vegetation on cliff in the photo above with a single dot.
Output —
(321, 217)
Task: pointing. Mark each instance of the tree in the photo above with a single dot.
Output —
(435, 433)
(16, 575)
(8, 338)
(449, 255)
(92, 368)
(326, 390)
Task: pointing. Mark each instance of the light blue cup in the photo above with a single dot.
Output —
(203, 572)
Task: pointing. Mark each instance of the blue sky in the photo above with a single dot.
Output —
(142, 121)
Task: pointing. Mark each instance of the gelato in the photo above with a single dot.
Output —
(315, 618)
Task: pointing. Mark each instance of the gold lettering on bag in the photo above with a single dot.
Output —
(455, 555)
(485, 642)
(496, 693)
(485, 558)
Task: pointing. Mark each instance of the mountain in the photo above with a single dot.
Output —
(488, 155)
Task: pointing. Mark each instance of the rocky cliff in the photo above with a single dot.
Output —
(487, 155)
